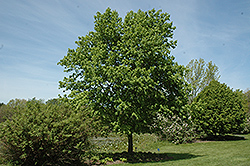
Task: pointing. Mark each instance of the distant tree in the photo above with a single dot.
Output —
(247, 98)
(13, 103)
(6, 111)
(125, 72)
(199, 74)
(247, 108)
(53, 101)
(1, 104)
(218, 109)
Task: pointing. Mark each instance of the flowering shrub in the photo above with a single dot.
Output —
(175, 129)
(246, 125)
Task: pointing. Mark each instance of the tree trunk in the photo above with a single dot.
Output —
(130, 143)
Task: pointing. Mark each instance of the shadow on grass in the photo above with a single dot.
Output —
(223, 138)
(142, 157)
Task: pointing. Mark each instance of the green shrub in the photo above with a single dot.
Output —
(219, 110)
(40, 134)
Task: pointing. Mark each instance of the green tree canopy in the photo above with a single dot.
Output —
(218, 109)
(199, 74)
(124, 70)
(247, 98)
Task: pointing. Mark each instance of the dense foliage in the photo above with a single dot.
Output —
(199, 74)
(125, 72)
(40, 134)
(218, 109)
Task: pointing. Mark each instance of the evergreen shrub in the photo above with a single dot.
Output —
(219, 110)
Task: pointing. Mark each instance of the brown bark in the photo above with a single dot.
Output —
(130, 143)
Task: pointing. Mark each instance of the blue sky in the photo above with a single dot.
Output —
(36, 34)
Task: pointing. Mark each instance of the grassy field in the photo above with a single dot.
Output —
(221, 153)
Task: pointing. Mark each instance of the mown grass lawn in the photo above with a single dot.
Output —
(221, 153)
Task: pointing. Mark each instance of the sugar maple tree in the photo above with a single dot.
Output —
(125, 72)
